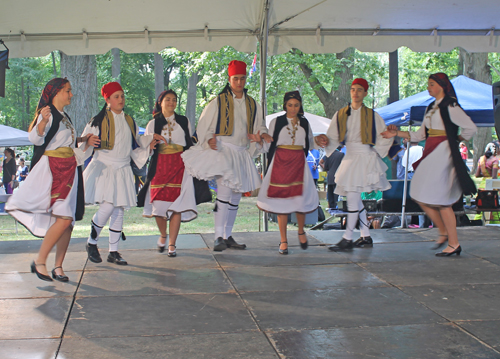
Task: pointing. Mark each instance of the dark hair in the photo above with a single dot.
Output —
(157, 108)
(11, 151)
(488, 154)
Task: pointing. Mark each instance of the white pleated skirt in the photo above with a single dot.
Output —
(108, 184)
(307, 202)
(361, 170)
(231, 163)
(435, 180)
(30, 204)
(185, 204)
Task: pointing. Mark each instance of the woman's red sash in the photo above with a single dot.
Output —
(166, 184)
(430, 145)
(63, 175)
(287, 177)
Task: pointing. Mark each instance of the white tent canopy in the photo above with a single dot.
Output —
(12, 137)
(34, 28)
(318, 124)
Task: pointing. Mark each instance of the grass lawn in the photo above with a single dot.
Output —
(136, 225)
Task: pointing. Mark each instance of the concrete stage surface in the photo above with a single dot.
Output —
(395, 300)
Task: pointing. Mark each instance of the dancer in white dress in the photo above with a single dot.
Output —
(288, 186)
(362, 169)
(168, 194)
(441, 175)
(51, 198)
(224, 150)
(108, 178)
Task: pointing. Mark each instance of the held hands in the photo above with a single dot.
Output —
(213, 142)
(321, 140)
(92, 140)
(266, 137)
(391, 131)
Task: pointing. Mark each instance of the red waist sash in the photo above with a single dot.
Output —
(63, 175)
(287, 177)
(166, 184)
(430, 145)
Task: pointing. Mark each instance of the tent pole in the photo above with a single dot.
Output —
(263, 69)
(405, 185)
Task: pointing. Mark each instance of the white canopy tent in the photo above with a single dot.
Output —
(319, 124)
(12, 137)
(34, 28)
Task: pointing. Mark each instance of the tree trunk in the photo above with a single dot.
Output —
(339, 96)
(54, 69)
(81, 71)
(116, 64)
(159, 76)
(191, 99)
(476, 67)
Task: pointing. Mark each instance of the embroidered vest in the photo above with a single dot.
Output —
(225, 117)
(368, 128)
(107, 131)
(281, 122)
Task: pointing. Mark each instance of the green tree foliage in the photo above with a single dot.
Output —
(23, 85)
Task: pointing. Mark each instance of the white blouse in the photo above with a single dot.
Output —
(433, 120)
(177, 135)
(64, 137)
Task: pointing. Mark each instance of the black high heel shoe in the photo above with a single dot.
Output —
(60, 278)
(171, 253)
(282, 251)
(161, 248)
(456, 251)
(303, 245)
(440, 244)
(38, 274)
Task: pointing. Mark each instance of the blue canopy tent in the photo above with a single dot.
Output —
(474, 97)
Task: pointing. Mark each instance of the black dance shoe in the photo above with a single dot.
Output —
(38, 274)
(219, 245)
(363, 242)
(283, 251)
(231, 243)
(161, 247)
(93, 253)
(456, 251)
(303, 245)
(115, 257)
(171, 253)
(438, 245)
(60, 278)
(343, 245)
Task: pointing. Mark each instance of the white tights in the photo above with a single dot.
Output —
(227, 209)
(115, 215)
(354, 206)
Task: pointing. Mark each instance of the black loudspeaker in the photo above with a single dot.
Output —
(496, 106)
(4, 64)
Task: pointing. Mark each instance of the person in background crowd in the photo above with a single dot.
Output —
(441, 175)
(9, 170)
(22, 170)
(487, 166)
(313, 162)
(413, 154)
(331, 164)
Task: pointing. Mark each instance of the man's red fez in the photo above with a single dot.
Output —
(362, 82)
(236, 67)
(110, 88)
